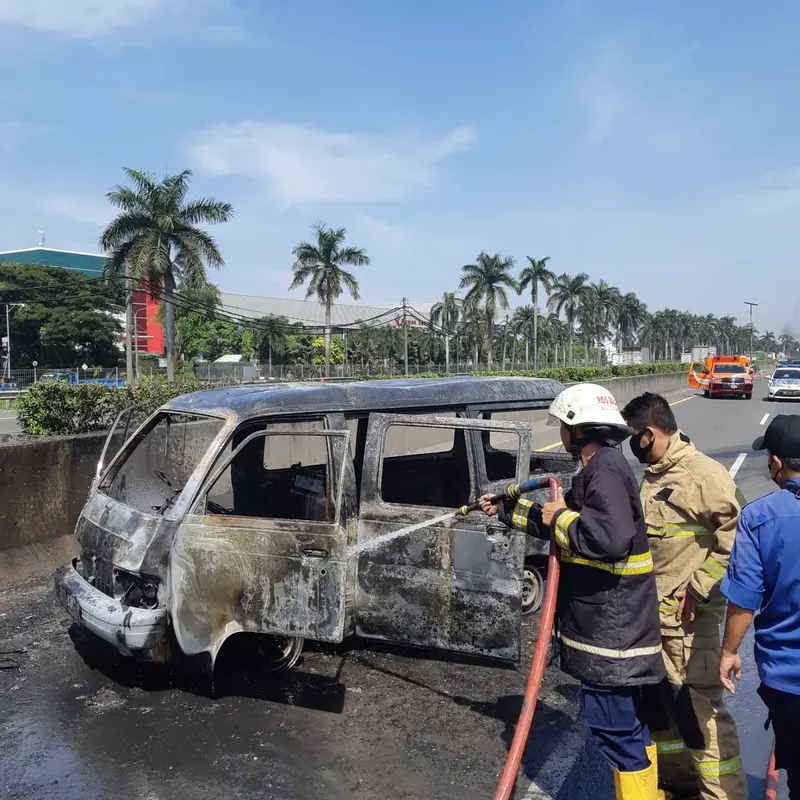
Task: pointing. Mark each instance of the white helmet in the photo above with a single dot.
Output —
(590, 406)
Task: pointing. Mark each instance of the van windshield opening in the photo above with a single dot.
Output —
(163, 457)
(728, 369)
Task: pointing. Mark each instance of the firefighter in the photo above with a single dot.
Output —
(607, 602)
(691, 507)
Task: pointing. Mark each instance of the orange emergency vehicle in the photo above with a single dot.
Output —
(718, 376)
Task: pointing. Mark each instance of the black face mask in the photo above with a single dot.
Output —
(641, 453)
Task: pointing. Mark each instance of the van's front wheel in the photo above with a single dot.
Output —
(277, 654)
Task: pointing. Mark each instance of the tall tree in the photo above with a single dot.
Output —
(630, 315)
(159, 236)
(446, 314)
(271, 336)
(525, 325)
(487, 281)
(322, 264)
(567, 294)
(534, 275)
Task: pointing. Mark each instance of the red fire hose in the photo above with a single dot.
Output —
(509, 777)
(771, 785)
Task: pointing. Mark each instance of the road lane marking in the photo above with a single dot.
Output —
(766, 417)
(736, 465)
(549, 446)
(682, 401)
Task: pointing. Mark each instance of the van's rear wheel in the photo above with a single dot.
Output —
(277, 654)
(532, 590)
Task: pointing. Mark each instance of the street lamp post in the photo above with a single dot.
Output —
(751, 329)
(9, 307)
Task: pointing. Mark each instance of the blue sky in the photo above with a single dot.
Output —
(652, 145)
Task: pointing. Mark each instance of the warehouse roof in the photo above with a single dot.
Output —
(311, 313)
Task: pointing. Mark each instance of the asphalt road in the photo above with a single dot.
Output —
(351, 722)
(8, 421)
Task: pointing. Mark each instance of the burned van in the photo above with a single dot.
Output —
(253, 510)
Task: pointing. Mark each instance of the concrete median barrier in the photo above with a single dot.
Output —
(44, 482)
(43, 486)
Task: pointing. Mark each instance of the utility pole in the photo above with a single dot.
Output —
(129, 323)
(405, 334)
(751, 329)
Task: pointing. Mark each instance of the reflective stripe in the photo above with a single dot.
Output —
(712, 568)
(519, 517)
(672, 746)
(603, 651)
(714, 768)
(634, 565)
(668, 530)
(565, 519)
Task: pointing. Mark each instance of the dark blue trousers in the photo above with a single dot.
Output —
(609, 713)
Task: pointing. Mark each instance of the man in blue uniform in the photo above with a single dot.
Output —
(764, 575)
(607, 599)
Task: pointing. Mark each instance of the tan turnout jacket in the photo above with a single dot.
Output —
(691, 507)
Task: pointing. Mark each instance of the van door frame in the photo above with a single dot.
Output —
(456, 588)
(262, 560)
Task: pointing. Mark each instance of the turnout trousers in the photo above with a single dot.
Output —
(695, 736)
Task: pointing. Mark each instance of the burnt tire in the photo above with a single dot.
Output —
(748, 397)
(277, 654)
(532, 590)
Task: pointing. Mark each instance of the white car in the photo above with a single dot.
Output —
(784, 384)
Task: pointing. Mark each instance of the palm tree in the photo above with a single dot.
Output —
(445, 314)
(487, 281)
(788, 343)
(630, 313)
(524, 322)
(534, 274)
(768, 341)
(157, 238)
(471, 329)
(567, 294)
(321, 264)
(604, 301)
(271, 335)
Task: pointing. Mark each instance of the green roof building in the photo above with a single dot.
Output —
(90, 264)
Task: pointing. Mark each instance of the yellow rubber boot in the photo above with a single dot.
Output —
(641, 785)
(652, 754)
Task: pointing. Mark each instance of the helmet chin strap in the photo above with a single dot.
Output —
(576, 444)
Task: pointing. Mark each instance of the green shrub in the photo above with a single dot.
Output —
(53, 408)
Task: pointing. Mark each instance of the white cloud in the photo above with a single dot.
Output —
(78, 209)
(625, 100)
(772, 196)
(302, 164)
(80, 18)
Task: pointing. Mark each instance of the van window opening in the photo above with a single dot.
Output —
(153, 474)
(424, 466)
(286, 476)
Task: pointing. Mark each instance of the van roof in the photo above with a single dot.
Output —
(382, 395)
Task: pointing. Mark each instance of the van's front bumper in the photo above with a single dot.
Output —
(137, 632)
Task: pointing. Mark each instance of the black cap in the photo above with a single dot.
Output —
(782, 437)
